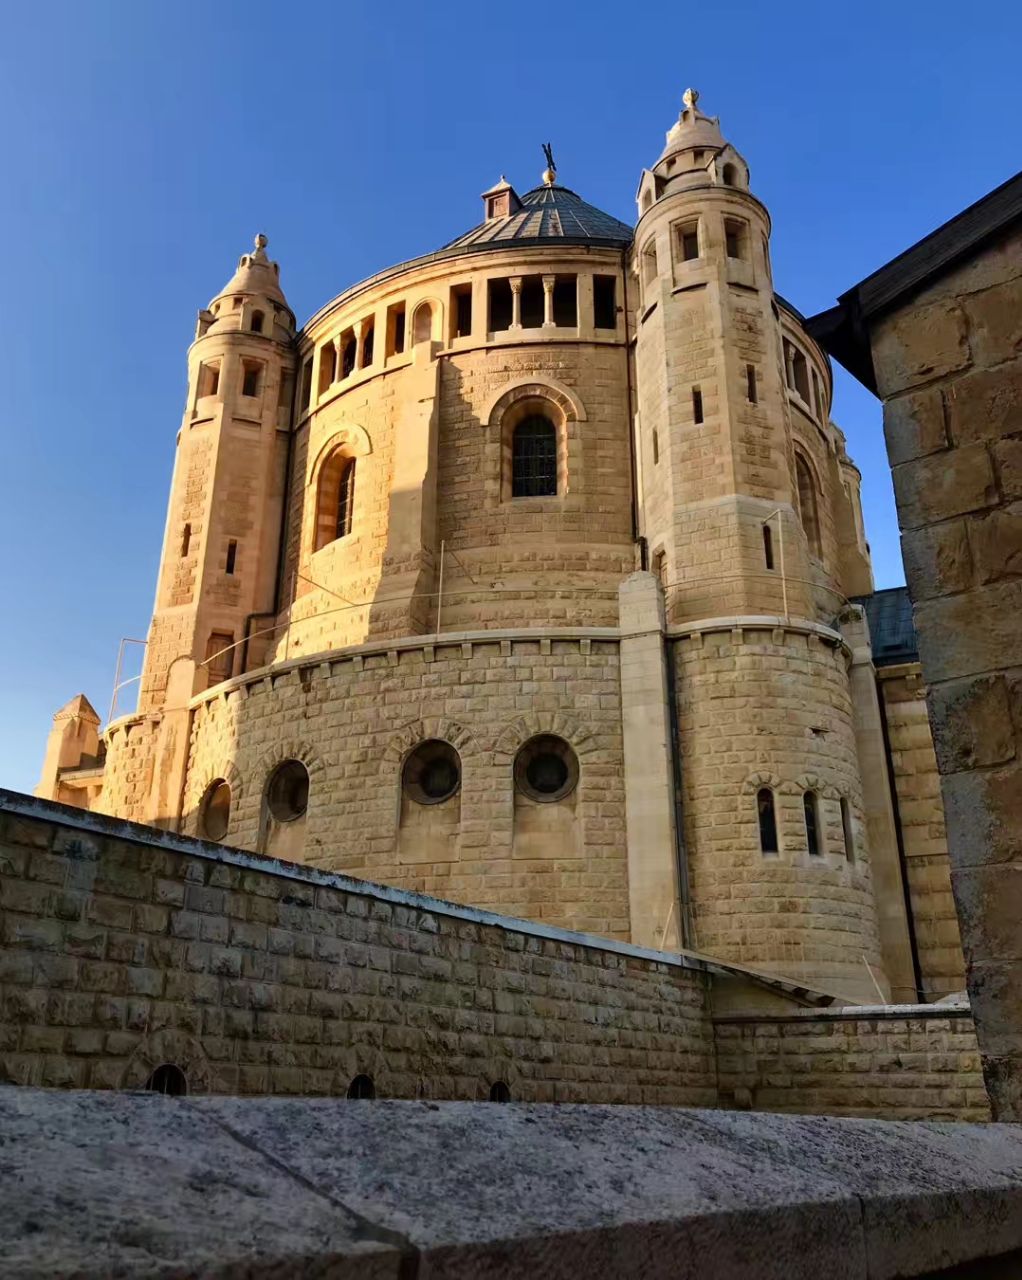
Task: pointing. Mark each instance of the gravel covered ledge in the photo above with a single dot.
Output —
(131, 1184)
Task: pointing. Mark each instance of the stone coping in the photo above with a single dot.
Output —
(103, 1184)
(855, 1013)
(103, 826)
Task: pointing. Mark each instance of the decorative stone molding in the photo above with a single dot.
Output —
(416, 731)
(354, 438)
(170, 1046)
(530, 389)
(519, 730)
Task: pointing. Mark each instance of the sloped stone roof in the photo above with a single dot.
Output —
(548, 213)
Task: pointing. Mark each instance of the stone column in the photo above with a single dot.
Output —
(360, 334)
(548, 301)
(337, 359)
(878, 811)
(516, 302)
(653, 894)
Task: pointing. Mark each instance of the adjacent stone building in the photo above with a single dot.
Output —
(531, 574)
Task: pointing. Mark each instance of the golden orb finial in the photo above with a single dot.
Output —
(690, 97)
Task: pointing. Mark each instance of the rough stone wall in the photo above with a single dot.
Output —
(924, 838)
(128, 769)
(771, 708)
(902, 1063)
(353, 720)
(124, 949)
(949, 369)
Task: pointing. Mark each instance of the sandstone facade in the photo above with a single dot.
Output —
(523, 574)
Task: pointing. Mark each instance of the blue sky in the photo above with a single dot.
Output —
(144, 144)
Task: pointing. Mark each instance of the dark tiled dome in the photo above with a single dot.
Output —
(548, 213)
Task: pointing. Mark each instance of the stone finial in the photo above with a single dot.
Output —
(690, 97)
(260, 247)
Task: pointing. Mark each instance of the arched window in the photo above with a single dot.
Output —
(546, 768)
(169, 1080)
(811, 810)
(362, 1087)
(335, 499)
(730, 176)
(257, 321)
(422, 323)
(215, 810)
(767, 821)
(287, 792)
(432, 773)
(500, 1092)
(534, 458)
(807, 507)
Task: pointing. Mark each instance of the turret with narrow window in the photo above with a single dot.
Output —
(218, 572)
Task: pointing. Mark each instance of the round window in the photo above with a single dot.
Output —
(215, 810)
(432, 773)
(546, 768)
(287, 794)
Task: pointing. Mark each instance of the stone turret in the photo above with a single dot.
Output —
(73, 745)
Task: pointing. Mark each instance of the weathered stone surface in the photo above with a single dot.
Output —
(154, 1186)
(937, 559)
(986, 405)
(972, 723)
(944, 485)
(928, 343)
(914, 426)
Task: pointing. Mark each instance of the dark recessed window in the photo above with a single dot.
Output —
(168, 1080)
(215, 810)
(604, 302)
(499, 297)
(566, 302)
(546, 768)
(257, 321)
(751, 390)
(811, 810)
(767, 821)
(362, 1087)
(287, 793)
(697, 405)
(432, 773)
(499, 1092)
(186, 539)
(846, 827)
(768, 546)
(250, 381)
(346, 499)
(232, 556)
(533, 302)
(656, 447)
(688, 240)
(534, 458)
(349, 353)
(462, 298)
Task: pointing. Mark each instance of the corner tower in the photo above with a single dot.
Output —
(746, 504)
(218, 572)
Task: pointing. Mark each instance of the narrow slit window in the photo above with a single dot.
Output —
(810, 808)
(306, 397)
(767, 821)
(751, 390)
(186, 540)
(396, 329)
(232, 556)
(846, 827)
(346, 499)
(650, 270)
(349, 351)
(257, 321)
(697, 405)
(368, 342)
(656, 447)
(768, 546)
(604, 302)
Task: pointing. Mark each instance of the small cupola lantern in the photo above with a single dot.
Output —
(501, 201)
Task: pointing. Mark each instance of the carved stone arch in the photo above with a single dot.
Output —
(352, 438)
(811, 782)
(361, 1060)
(495, 1069)
(755, 783)
(408, 737)
(199, 783)
(518, 731)
(436, 329)
(565, 399)
(293, 749)
(169, 1046)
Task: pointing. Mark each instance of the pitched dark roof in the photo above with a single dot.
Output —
(843, 331)
(548, 214)
(892, 632)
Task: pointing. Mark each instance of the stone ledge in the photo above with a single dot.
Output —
(137, 1184)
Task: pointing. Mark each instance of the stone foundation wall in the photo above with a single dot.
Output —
(125, 948)
(917, 1062)
(353, 719)
(924, 838)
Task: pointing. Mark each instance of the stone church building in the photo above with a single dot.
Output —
(531, 574)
